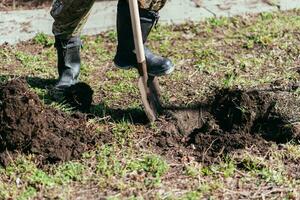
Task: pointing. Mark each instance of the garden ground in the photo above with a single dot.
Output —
(230, 128)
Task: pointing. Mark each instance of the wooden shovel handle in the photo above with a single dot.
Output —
(137, 32)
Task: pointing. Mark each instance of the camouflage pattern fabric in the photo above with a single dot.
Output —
(154, 5)
(71, 15)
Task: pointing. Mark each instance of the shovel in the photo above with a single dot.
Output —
(148, 86)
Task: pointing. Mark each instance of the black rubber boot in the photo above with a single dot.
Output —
(125, 57)
(68, 61)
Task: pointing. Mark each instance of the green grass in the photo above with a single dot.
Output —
(43, 39)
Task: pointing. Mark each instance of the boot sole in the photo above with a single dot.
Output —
(163, 73)
(125, 67)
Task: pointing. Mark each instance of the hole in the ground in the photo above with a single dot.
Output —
(236, 120)
(211, 143)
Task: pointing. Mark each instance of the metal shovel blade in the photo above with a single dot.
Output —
(154, 96)
(149, 90)
(144, 91)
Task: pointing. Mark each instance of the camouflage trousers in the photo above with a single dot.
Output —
(71, 15)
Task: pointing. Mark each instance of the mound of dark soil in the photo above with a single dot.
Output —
(27, 126)
(231, 120)
(255, 112)
(236, 110)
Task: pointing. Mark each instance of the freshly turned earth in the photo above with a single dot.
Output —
(27, 126)
(79, 96)
(231, 120)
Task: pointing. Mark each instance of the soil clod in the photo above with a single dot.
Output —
(79, 96)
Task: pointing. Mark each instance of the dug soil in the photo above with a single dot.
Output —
(79, 96)
(231, 120)
(28, 126)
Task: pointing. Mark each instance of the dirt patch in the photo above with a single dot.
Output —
(231, 120)
(255, 112)
(27, 126)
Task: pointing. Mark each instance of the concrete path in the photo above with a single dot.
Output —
(18, 26)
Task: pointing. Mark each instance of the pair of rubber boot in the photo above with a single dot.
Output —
(68, 51)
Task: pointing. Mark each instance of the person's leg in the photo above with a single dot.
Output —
(154, 5)
(125, 57)
(69, 18)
